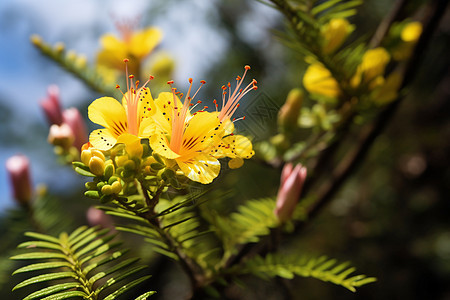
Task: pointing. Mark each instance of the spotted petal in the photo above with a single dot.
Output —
(146, 106)
(234, 146)
(202, 168)
(108, 112)
(102, 139)
(160, 145)
(202, 131)
(164, 110)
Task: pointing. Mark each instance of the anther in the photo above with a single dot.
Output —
(170, 82)
(117, 86)
(190, 80)
(126, 60)
(247, 67)
(202, 81)
(131, 76)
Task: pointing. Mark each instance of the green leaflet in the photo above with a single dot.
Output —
(287, 266)
(77, 261)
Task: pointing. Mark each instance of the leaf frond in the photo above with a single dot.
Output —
(74, 263)
(288, 266)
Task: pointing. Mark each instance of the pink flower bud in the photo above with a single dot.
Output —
(292, 180)
(18, 168)
(72, 117)
(51, 106)
(97, 217)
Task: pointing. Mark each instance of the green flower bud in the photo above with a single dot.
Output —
(127, 174)
(174, 183)
(100, 185)
(158, 158)
(169, 173)
(92, 194)
(146, 150)
(90, 185)
(290, 111)
(112, 179)
(109, 171)
(121, 160)
(130, 165)
(157, 166)
(130, 189)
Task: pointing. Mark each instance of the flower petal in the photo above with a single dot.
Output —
(234, 146)
(108, 112)
(102, 139)
(203, 168)
(164, 110)
(143, 42)
(113, 52)
(132, 144)
(201, 132)
(160, 145)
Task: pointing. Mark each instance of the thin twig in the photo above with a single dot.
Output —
(385, 25)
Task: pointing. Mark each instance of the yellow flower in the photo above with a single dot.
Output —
(136, 45)
(124, 123)
(334, 34)
(318, 80)
(409, 36)
(388, 91)
(411, 32)
(193, 140)
(373, 64)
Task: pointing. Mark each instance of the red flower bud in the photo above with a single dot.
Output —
(18, 168)
(292, 180)
(72, 117)
(51, 106)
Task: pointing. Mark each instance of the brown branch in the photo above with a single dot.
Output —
(385, 25)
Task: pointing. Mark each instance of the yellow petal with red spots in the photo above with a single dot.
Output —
(203, 168)
(164, 110)
(234, 146)
(146, 105)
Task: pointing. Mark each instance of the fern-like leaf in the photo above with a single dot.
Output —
(252, 220)
(287, 266)
(84, 263)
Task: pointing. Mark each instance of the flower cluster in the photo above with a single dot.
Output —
(369, 77)
(67, 128)
(154, 143)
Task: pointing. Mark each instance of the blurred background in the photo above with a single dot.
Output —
(391, 219)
